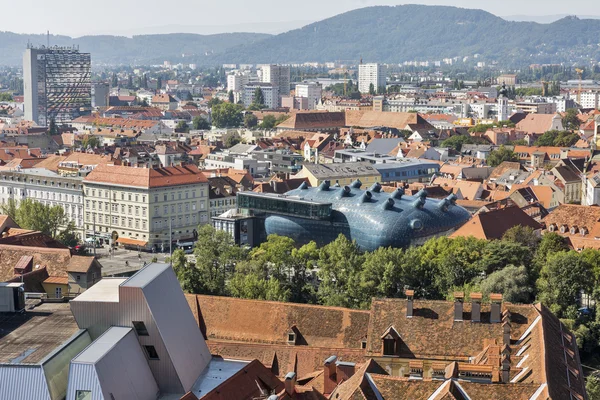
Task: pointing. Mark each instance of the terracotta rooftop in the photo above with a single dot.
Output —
(493, 224)
(370, 119)
(536, 123)
(55, 260)
(146, 177)
(314, 120)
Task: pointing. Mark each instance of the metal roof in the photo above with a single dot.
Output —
(217, 372)
(146, 275)
(107, 290)
(101, 346)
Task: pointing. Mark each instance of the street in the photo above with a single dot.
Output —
(124, 261)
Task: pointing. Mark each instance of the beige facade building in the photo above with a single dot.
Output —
(143, 207)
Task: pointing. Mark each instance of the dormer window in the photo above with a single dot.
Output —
(573, 230)
(563, 229)
(292, 335)
(391, 342)
(552, 228)
(583, 231)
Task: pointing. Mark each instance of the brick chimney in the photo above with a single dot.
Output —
(344, 371)
(409, 302)
(290, 383)
(496, 299)
(329, 375)
(459, 297)
(476, 307)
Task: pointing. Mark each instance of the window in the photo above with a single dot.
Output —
(151, 352)
(78, 278)
(389, 346)
(140, 328)
(363, 344)
(83, 395)
(58, 293)
(291, 337)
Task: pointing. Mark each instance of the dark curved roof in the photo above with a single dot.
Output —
(371, 217)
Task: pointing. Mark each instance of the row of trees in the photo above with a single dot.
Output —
(521, 266)
(50, 220)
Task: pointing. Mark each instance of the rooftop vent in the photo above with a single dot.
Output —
(398, 193)
(365, 197)
(345, 192)
(356, 184)
(324, 186)
(376, 187)
(388, 204)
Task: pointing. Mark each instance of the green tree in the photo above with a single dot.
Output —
(456, 142)
(90, 141)
(381, 275)
(500, 155)
(227, 115)
(339, 271)
(200, 123)
(214, 101)
(592, 386)
(512, 281)
(5, 96)
(129, 82)
(52, 128)
(562, 279)
(230, 97)
(50, 220)
(259, 97)
(250, 286)
(182, 127)
(268, 122)
(524, 235)
(216, 255)
(231, 140)
(250, 120)
(570, 120)
(372, 89)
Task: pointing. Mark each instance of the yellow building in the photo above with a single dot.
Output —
(340, 173)
(56, 287)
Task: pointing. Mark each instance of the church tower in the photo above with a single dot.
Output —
(503, 104)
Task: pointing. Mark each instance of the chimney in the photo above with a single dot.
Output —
(458, 305)
(476, 307)
(506, 369)
(344, 371)
(409, 302)
(290, 383)
(506, 333)
(329, 375)
(496, 299)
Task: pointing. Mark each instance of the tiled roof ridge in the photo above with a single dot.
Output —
(288, 304)
(31, 249)
(269, 345)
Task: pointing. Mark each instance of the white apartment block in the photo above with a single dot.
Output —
(589, 99)
(237, 81)
(46, 187)
(311, 91)
(270, 94)
(277, 75)
(371, 74)
(146, 207)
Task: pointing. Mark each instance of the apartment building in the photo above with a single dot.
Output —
(277, 75)
(270, 94)
(46, 187)
(372, 73)
(145, 207)
(589, 99)
(310, 91)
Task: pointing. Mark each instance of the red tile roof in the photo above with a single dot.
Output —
(146, 177)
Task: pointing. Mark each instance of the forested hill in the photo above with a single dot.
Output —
(382, 34)
(139, 50)
(416, 32)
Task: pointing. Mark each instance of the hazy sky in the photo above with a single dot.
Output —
(79, 17)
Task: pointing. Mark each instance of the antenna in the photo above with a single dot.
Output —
(48, 38)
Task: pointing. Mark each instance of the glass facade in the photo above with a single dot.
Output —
(283, 205)
(373, 218)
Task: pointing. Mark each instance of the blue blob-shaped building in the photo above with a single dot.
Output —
(371, 217)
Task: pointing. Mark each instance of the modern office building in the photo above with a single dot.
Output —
(145, 207)
(371, 74)
(100, 94)
(371, 217)
(57, 84)
(311, 91)
(277, 75)
(270, 94)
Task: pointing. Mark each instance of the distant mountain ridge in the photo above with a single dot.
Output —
(417, 32)
(375, 34)
(142, 49)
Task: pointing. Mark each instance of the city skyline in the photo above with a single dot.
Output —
(265, 16)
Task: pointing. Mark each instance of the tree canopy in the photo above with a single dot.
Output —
(500, 155)
(227, 115)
